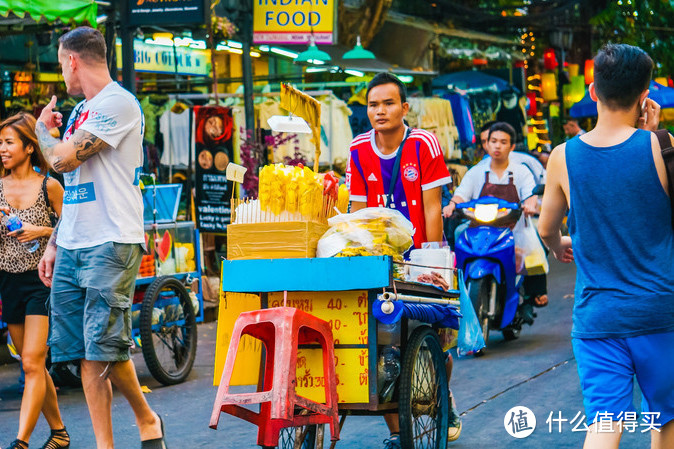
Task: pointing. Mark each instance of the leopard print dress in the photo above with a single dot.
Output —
(14, 258)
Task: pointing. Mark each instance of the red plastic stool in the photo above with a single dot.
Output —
(281, 329)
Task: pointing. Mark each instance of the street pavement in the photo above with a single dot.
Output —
(537, 371)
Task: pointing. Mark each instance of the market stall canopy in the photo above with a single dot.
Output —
(18, 14)
(471, 80)
(662, 95)
(419, 37)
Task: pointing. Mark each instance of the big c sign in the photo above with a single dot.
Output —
(292, 21)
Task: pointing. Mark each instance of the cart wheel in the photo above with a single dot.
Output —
(423, 403)
(305, 436)
(168, 330)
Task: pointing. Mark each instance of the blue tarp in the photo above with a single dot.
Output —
(662, 95)
(443, 315)
(471, 79)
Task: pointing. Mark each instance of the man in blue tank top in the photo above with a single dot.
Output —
(613, 182)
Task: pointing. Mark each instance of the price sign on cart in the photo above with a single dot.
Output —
(347, 314)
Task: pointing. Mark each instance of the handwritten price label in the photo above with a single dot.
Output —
(347, 312)
(351, 372)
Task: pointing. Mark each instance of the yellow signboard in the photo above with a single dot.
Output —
(161, 59)
(347, 313)
(292, 21)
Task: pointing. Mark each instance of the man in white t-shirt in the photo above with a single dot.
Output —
(95, 251)
(501, 177)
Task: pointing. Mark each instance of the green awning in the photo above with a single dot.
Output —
(66, 11)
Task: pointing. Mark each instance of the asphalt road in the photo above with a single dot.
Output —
(537, 371)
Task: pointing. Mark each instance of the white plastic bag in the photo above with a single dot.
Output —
(530, 254)
(373, 231)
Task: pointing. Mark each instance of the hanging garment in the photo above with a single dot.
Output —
(175, 129)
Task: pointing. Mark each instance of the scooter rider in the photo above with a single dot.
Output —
(501, 179)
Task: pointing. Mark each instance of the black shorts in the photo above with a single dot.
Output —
(22, 294)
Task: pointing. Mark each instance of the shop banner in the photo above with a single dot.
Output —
(293, 21)
(166, 12)
(213, 130)
(161, 59)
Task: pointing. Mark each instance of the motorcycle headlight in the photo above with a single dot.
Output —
(486, 213)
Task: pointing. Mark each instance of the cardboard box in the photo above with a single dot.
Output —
(282, 240)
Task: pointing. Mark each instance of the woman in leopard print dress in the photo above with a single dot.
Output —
(29, 195)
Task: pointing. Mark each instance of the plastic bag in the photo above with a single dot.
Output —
(530, 254)
(373, 231)
(470, 338)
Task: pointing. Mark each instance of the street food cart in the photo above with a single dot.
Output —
(347, 293)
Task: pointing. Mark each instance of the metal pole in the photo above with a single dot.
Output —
(388, 296)
(128, 59)
(111, 41)
(247, 37)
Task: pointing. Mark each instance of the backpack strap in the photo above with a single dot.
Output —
(668, 156)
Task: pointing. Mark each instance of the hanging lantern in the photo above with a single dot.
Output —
(479, 61)
(589, 71)
(577, 88)
(549, 86)
(533, 106)
(573, 70)
(549, 59)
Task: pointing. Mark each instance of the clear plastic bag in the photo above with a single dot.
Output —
(470, 339)
(375, 231)
(530, 254)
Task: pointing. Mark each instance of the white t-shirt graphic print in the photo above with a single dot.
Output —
(102, 201)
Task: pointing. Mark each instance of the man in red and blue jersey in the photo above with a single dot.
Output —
(416, 190)
(396, 166)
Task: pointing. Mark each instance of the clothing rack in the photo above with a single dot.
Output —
(313, 93)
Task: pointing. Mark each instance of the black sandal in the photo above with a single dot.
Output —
(18, 444)
(155, 443)
(57, 438)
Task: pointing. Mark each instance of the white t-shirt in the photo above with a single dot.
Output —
(473, 181)
(529, 161)
(102, 201)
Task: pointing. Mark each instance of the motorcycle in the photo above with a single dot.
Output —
(485, 252)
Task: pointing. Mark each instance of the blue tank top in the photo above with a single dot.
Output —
(623, 243)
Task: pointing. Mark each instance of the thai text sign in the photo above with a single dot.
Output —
(161, 59)
(292, 21)
(347, 313)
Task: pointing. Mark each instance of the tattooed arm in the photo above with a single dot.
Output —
(67, 156)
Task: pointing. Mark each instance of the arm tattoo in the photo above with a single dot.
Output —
(54, 234)
(46, 141)
(84, 144)
(87, 144)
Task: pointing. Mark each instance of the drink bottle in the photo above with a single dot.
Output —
(13, 223)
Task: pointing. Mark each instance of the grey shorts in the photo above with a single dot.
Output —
(90, 302)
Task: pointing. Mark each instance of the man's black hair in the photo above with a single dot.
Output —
(621, 73)
(87, 42)
(506, 128)
(387, 78)
(487, 125)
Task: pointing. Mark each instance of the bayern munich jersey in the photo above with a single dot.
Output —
(422, 167)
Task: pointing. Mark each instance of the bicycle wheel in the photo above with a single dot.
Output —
(168, 330)
(303, 437)
(423, 401)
